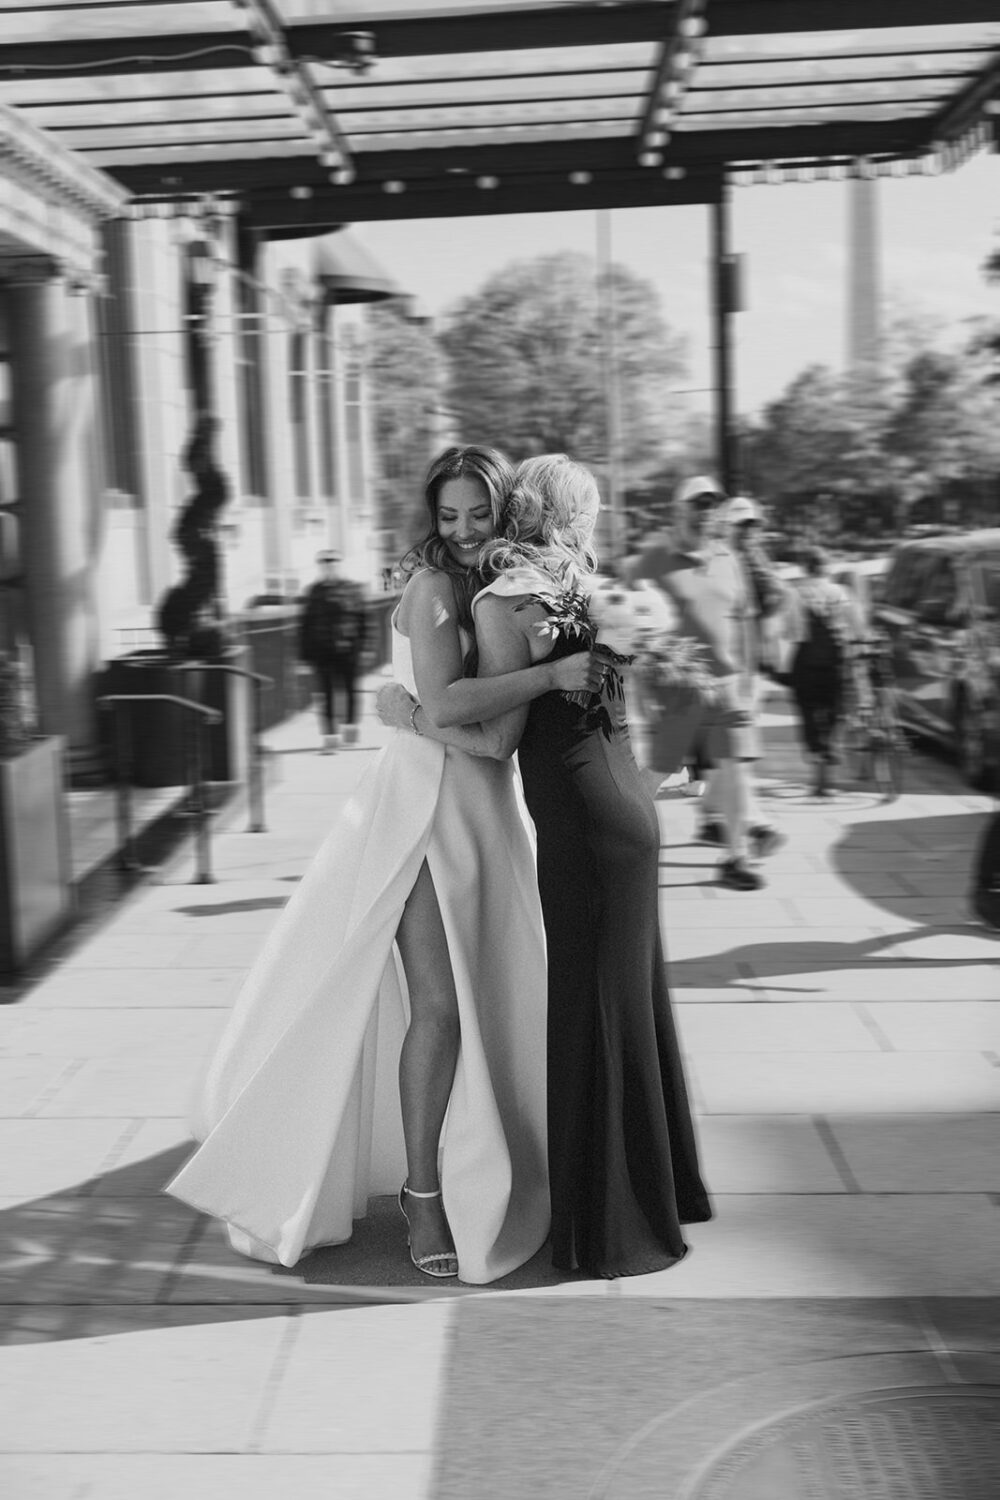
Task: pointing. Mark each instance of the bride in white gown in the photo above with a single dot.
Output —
(413, 945)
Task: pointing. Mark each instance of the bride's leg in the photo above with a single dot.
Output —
(427, 1060)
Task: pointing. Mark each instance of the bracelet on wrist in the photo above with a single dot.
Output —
(413, 720)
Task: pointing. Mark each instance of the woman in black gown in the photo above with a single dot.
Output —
(623, 1164)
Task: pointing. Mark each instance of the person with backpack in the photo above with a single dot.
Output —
(333, 636)
(822, 630)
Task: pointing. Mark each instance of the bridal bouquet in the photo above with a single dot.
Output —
(674, 669)
(570, 614)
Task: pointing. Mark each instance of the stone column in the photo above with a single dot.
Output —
(863, 292)
(55, 414)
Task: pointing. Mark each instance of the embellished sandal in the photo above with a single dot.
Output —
(446, 1259)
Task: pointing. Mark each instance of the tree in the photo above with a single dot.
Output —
(525, 363)
(986, 339)
(405, 379)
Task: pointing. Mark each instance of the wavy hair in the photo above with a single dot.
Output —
(548, 521)
(496, 475)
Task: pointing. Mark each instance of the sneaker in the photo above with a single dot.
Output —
(736, 876)
(763, 840)
(329, 745)
(710, 832)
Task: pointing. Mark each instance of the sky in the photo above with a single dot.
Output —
(935, 235)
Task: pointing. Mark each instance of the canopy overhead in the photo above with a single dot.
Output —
(350, 273)
(390, 111)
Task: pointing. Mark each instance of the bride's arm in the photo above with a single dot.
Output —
(446, 697)
(504, 650)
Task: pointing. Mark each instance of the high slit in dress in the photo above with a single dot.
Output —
(298, 1112)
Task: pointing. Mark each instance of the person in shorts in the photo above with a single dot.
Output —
(708, 586)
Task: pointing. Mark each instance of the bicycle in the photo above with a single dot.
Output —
(874, 744)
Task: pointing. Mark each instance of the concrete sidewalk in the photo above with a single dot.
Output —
(843, 1032)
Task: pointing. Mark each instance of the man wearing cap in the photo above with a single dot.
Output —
(707, 584)
(765, 598)
(333, 631)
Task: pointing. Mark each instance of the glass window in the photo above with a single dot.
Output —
(247, 347)
(936, 588)
(325, 390)
(353, 416)
(900, 585)
(986, 583)
(298, 394)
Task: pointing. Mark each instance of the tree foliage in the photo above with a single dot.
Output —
(525, 362)
(405, 376)
(849, 454)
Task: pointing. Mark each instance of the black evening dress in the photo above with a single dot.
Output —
(623, 1160)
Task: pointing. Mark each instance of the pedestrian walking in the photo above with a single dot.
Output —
(334, 639)
(699, 572)
(820, 629)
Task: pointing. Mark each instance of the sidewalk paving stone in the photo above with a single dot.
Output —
(40, 1156)
(399, 1350)
(841, 1028)
(770, 1154)
(965, 1025)
(198, 1388)
(848, 1083)
(767, 1028)
(148, 988)
(921, 1153)
(843, 1245)
(107, 1033)
(219, 1476)
(118, 1087)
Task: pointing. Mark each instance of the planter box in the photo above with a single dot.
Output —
(160, 732)
(35, 898)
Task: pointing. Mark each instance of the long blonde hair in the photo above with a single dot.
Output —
(547, 521)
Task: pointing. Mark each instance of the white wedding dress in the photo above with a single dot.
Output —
(299, 1110)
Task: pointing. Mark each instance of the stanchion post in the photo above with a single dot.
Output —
(123, 786)
(255, 765)
(202, 832)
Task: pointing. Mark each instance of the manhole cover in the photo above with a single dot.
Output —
(918, 1443)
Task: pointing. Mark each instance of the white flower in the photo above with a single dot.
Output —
(624, 616)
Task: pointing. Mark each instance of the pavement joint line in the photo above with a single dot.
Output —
(872, 1025)
(275, 1376)
(185, 1254)
(116, 1151)
(50, 1091)
(836, 1154)
(923, 1316)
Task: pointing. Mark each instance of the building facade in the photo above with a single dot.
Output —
(115, 331)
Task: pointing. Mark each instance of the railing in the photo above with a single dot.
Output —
(198, 804)
(255, 758)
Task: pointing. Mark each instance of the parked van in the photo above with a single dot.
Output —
(940, 610)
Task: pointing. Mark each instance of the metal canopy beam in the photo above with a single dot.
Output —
(962, 111)
(279, 216)
(707, 150)
(498, 31)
